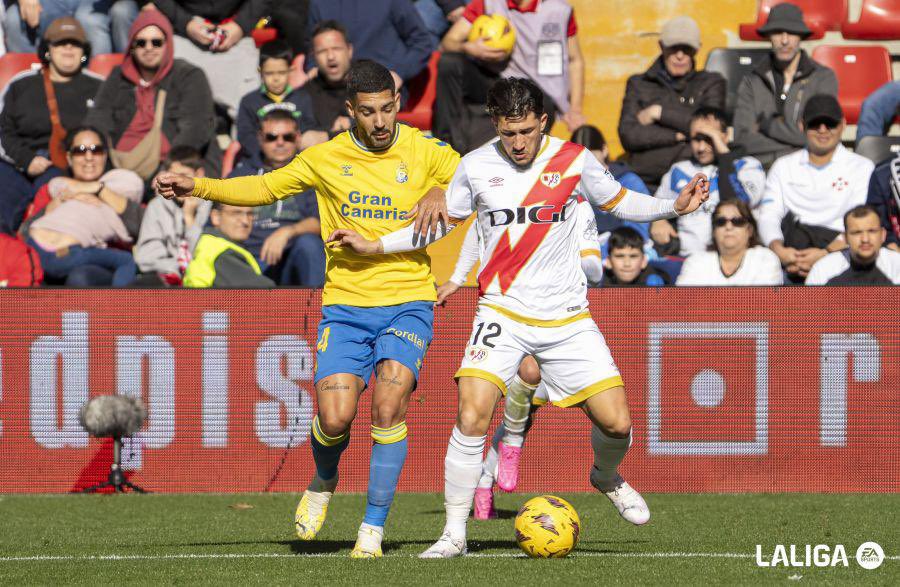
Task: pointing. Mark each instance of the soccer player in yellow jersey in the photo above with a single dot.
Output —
(377, 312)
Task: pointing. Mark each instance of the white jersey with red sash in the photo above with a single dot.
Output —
(527, 226)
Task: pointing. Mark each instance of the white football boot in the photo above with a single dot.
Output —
(446, 547)
(629, 502)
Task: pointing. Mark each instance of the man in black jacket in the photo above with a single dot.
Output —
(771, 100)
(658, 104)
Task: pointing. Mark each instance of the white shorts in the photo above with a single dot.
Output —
(574, 360)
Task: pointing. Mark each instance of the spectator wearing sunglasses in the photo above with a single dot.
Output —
(150, 77)
(736, 256)
(658, 104)
(285, 239)
(275, 93)
(808, 192)
(27, 123)
(87, 212)
(730, 177)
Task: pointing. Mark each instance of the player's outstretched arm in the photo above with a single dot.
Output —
(170, 185)
(639, 207)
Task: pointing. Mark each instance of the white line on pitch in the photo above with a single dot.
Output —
(189, 556)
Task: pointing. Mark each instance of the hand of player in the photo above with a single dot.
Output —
(351, 239)
(273, 247)
(692, 195)
(169, 185)
(429, 212)
(446, 290)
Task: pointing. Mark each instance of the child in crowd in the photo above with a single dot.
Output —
(275, 59)
(170, 228)
(626, 264)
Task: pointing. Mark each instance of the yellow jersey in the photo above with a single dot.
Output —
(369, 191)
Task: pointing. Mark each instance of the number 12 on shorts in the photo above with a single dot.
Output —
(491, 331)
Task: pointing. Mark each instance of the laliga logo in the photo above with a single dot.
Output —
(869, 555)
(552, 179)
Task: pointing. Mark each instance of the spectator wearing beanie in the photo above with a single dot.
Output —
(658, 104)
(31, 136)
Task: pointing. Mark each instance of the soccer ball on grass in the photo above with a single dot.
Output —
(547, 527)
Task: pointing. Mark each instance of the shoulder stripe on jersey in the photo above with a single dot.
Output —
(506, 260)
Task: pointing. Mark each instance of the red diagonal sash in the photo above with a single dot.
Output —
(506, 261)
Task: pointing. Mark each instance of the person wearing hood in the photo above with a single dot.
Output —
(771, 99)
(38, 105)
(658, 104)
(153, 101)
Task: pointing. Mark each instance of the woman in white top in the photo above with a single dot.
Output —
(736, 256)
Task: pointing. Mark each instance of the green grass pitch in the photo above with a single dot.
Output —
(248, 539)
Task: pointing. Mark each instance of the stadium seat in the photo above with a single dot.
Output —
(734, 64)
(105, 63)
(879, 20)
(820, 16)
(422, 90)
(230, 157)
(878, 149)
(264, 35)
(860, 69)
(13, 63)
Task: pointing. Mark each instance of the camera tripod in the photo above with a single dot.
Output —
(116, 478)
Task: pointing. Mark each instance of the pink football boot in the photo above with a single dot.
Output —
(508, 467)
(484, 504)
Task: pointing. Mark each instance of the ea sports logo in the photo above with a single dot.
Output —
(870, 555)
(551, 180)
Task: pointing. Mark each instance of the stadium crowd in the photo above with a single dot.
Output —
(789, 202)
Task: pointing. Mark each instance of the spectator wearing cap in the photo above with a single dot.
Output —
(879, 111)
(865, 261)
(658, 104)
(808, 192)
(153, 102)
(772, 98)
(884, 198)
(215, 36)
(38, 108)
(546, 51)
(26, 22)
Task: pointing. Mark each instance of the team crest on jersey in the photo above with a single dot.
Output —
(551, 179)
(477, 354)
(402, 173)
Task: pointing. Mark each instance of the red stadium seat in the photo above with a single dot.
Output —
(229, 158)
(860, 71)
(13, 63)
(820, 16)
(105, 63)
(879, 20)
(422, 90)
(264, 35)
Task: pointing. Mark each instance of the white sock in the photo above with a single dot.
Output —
(608, 453)
(488, 469)
(462, 469)
(376, 529)
(516, 409)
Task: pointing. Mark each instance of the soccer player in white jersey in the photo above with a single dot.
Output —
(533, 299)
(525, 394)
